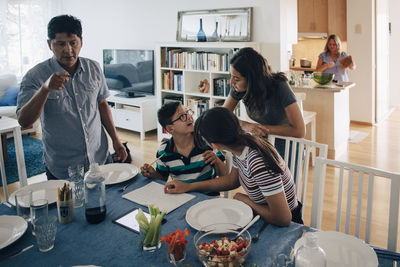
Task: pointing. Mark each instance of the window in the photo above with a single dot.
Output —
(23, 33)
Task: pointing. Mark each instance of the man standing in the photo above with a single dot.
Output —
(69, 94)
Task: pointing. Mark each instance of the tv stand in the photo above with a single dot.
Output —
(135, 114)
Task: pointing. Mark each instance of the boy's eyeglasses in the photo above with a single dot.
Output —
(184, 117)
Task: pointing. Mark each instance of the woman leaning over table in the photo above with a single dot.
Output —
(334, 60)
(257, 167)
(267, 96)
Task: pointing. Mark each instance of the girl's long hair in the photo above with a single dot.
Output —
(260, 79)
(220, 126)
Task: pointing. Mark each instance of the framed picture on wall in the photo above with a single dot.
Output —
(217, 25)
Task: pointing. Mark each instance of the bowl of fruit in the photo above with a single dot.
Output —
(322, 78)
(219, 245)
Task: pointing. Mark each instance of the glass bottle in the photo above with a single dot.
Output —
(310, 254)
(201, 36)
(95, 195)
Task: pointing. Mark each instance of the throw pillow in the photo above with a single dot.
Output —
(9, 97)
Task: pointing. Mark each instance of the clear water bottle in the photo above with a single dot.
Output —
(95, 195)
(310, 254)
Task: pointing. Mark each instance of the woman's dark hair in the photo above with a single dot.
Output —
(255, 69)
(166, 112)
(64, 24)
(220, 126)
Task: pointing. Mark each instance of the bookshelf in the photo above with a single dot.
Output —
(182, 67)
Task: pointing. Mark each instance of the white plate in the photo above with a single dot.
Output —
(218, 210)
(11, 229)
(46, 190)
(343, 250)
(118, 172)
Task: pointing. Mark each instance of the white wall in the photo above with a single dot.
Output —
(288, 21)
(142, 24)
(394, 95)
(362, 46)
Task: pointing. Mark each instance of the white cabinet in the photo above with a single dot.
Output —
(136, 114)
(181, 67)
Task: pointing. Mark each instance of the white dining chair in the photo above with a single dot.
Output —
(359, 181)
(228, 162)
(301, 151)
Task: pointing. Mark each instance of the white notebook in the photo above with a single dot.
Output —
(153, 193)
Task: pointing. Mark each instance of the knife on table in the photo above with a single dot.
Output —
(19, 252)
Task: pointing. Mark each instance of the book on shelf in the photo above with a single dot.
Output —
(222, 86)
(172, 80)
(177, 82)
(172, 98)
(220, 103)
(198, 105)
(195, 60)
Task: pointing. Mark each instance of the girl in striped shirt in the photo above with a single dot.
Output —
(257, 167)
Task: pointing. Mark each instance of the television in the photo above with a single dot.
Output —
(129, 71)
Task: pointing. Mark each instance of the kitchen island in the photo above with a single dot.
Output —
(331, 103)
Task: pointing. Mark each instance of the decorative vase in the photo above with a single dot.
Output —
(201, 36)
(215, 33)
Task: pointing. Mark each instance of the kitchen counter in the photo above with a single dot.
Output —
(298, 68)
(333, 114)
(331, 87)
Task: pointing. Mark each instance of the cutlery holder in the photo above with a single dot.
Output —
(65, 211)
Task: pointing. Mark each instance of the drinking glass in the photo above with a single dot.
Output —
(23, 200)
(39, 208)
(45, 230)
(171, 258)
(75, 174)
(147, 246)
(278, 258)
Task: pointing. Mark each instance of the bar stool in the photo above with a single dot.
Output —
(310, 117)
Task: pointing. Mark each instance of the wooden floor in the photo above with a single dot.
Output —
(380, 149)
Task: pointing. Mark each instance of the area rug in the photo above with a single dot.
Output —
(357, 136)
(33, 151)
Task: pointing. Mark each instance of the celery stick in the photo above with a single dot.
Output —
(142, 220)
(157, 225)
(150, 233)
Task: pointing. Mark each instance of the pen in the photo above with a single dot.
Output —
(159, 157)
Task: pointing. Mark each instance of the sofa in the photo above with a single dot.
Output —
(9, 89)
(128, 77)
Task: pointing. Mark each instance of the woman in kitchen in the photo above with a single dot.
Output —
(267, 96)
(334, 60)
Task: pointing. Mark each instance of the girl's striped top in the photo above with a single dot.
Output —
(259, 181)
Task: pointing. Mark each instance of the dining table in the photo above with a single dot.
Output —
(109, 244)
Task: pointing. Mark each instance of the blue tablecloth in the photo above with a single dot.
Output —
(108, 244)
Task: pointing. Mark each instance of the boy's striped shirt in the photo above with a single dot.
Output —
(191, 169)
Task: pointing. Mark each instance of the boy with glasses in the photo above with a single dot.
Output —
(179, 156)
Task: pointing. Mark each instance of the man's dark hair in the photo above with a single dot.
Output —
(64, 24)
(166, 112)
